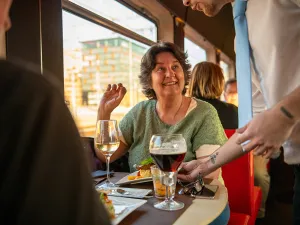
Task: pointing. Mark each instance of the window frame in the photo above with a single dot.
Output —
(159, 13)
(103, 22)
(141, 12)
(230, 63)
(3, 45)
(202, 42)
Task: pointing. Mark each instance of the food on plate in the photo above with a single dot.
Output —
(159, 189)
(107, 203)
(143, 170)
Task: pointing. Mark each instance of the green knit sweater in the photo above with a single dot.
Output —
(200, 126)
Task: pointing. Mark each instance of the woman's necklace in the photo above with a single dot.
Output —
(176, 111)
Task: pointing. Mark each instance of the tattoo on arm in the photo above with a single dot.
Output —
(286, 112)
(213, 157)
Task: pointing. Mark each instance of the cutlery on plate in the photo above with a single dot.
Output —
(133, 196)
(96, 182)
(123, 192)
(128, 194)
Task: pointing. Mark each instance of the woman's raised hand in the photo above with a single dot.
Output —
(111, 98)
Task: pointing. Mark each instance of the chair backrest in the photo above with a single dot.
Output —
(120, 165)
(93, 161)
(239, 180)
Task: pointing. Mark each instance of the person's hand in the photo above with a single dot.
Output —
(265, 133)
(190, 170)
(112, 97)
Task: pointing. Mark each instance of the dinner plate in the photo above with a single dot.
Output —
(125, 180)
(124, 206)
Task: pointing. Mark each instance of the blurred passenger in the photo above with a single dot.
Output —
(207, 83)
(164, 76)
(44, 177)
(230, 92)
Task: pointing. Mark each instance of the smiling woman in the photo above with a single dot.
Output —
(164, 74)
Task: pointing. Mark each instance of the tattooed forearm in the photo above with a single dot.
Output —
(286, 112)
(213, 157)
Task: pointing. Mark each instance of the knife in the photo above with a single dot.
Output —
(132, 196)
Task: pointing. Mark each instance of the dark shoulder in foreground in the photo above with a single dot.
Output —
(40, 149)
(14, 78)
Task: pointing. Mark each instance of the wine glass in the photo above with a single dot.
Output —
(107, 142)
(168, 152)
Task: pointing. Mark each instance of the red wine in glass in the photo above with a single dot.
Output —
(168, 162)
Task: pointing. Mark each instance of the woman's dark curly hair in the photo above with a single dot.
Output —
(148, 63)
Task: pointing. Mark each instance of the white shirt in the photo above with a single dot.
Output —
(274, 35)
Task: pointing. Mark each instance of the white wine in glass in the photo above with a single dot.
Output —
(107, 142)
(107, 149)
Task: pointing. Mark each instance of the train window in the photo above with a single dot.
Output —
(120, 14)
(225, 68)
(94, 57)
(196, 53)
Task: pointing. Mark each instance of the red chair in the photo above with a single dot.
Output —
(244, 198)
(238, 219)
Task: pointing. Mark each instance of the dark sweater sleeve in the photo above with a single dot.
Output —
(234, 120)
(43, 169)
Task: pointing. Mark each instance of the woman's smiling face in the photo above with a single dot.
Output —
(167, 76)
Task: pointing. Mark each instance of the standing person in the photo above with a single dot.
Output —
(44, 177)
(207, 84)
(275, 55)
(230, 92)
